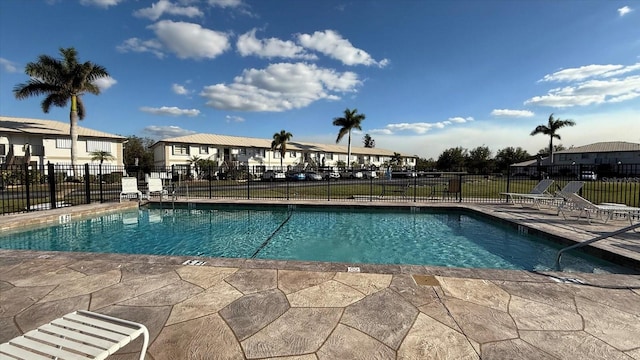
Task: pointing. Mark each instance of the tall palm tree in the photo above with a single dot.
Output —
(102, 156)
(280, 141)
(61, 81)
(551, 129)
(350, 120)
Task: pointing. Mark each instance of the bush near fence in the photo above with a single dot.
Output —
(24, 189)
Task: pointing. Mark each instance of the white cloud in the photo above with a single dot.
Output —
(100, 3)
(512, 113)
(421, 127)
(225, 3)
(179, 89)
(624, 10)
(280, 87)
(332, 44)
(136, 45)
(170, 111)
(166, 7)
(589, 71)
(236, 119)
(188, 40)
(590, 92)
(8, 66)
(248, 44)
(105, 83)
(163, 132)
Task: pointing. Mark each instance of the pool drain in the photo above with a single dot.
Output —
(194, 262)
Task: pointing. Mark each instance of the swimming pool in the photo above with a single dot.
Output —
(375, 236)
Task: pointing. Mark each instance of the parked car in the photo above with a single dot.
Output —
(370, 174)
(351, 174)
(331, 175)
(588, 175)
(271, 175)
(296, 176)
(313, 176)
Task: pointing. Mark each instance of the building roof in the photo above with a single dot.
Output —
(600, 147)
(240, 141)
(10, 124)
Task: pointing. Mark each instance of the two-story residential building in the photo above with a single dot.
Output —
(36, 142)
(256, 153)
(618, 157)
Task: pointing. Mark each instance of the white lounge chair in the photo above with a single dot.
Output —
(571, 187)
(78, 335)
(154, 187)
(575, 202)
(540, 189)
(129, 188)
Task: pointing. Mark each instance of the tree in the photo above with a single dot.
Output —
(551, 129)
(140, 149)
(101, 156)
(195, 162)
(368, 141)
(62, 80)
(280, 142)
(479, 160)
(396, 159)
(545, 151)
(452, 159)
(350, 120)
(425, 164)
(510, 155)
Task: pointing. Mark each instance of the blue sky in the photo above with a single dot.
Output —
(428, 75)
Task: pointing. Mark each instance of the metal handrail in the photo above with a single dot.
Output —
(598, 238)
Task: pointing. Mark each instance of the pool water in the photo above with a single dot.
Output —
(310, 234)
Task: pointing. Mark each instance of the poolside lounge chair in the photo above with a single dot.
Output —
(129, 188)
(605, 211)
(154, 187)
(540, 189)
(571, 187)
(78, 335)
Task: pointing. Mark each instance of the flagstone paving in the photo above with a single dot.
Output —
(267, 309)
(252, 312)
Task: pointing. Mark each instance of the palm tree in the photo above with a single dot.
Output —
(101, 156)
(550, 129)
(368, 141)
(62, 80)
(280, 141)
(350, 120)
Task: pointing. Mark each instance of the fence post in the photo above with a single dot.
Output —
(329, 187)
(248, 183)
(460, 182)
(27, 180)
(100, 181)
(87, 185)
(415, 187)
(506, 198)
(210, 167)
(52, 184)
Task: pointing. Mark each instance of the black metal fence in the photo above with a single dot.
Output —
(24, 189)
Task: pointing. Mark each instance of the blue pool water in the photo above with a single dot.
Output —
(352, 236)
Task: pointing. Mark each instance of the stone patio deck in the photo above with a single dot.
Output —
(261, 309)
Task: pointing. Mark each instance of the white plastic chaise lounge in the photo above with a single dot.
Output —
(540, 189)
(129, 188)
(154, 187)
(78, 335)
(606, 212)
(571, 187)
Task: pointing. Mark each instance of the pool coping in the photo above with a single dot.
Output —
(568, 234)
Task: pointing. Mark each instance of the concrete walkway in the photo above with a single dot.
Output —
(260, 309)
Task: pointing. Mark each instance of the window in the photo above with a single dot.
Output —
(63, 143)
(3, 151)
(204, 149)
(585, 156)
(180, 150)
(293, 154)
(97, 145)
(329, 156)
(276, 154)
(243, 151)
